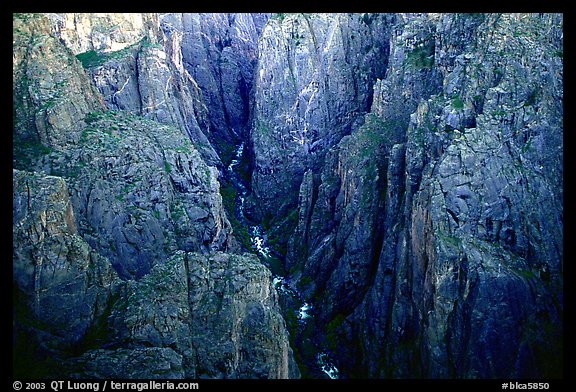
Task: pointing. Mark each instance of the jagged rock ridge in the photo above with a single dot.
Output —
(220, 52)
(105, 196)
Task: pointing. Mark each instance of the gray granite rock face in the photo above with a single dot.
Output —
(206, 316)
(194, 315)
(141, 191)
(420, 157)
(142, 73)
(467, 217)
(62, 287)
(51, 96)
(313, 84)
(111, 212)
(220, 51)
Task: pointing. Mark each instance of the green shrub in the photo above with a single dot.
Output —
(229, 193)
(92, 117)
(498, 113)
(421, 57)
(278, 16)
(332, 331)
(26, 152)
(304, 282)
(457, 102)
(532, 98)
(167, 167)
(91, 59)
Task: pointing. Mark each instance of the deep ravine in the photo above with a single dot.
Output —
(315, 362)
(299, 195)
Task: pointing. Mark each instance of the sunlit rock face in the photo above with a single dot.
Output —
(103, 32)
(313, 83)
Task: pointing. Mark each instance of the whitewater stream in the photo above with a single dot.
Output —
(258, 240)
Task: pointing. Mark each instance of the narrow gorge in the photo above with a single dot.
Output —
(281, 196)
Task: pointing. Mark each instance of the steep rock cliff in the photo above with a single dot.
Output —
(61, 286)
(313, 84)
(138, 69)
(212, 316)
(69, 299)
(343, 229)
(220, 52)
(468, 217)
(51, 96)
(338, 236)
(141, 191)
(128, 194)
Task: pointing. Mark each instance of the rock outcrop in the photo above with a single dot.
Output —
(105, 197)
(51, 96)
(211, 316)
(103, 32)
(195, 315)
(339, 232)
(462, 274)
(141, 191)
(140, 188)
(62, 287)
(236, 306)
(138, 69)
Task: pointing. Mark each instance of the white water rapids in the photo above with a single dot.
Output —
(258, 240)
